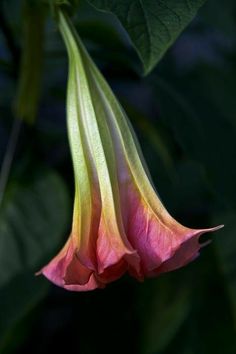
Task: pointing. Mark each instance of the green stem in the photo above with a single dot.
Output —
(29, 85)
(8, 157)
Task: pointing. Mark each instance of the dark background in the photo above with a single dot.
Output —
(184, 114)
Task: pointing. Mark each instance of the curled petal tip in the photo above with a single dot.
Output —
(215, 228)
(218, 227)
(211, 229)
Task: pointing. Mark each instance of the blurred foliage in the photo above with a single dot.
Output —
(26, 222)
(184, 114)
(30, 229)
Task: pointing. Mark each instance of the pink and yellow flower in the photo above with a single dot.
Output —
(119, 223)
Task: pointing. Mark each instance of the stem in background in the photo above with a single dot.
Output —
(9, 155)
(30, 71)
(15, 130)
(29, 81)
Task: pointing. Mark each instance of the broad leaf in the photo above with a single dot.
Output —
(32, 222)
(153, 25)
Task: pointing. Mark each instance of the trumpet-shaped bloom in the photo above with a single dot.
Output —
(119, 223)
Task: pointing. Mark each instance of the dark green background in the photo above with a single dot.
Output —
(184, 113)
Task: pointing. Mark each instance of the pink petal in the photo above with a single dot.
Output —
(114, 253)
(65, 270)
(161, 242)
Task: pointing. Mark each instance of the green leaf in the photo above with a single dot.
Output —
(32, 222)
(153, 25)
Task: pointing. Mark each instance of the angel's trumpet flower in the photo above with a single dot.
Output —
(119, 223)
